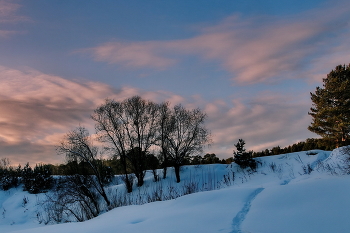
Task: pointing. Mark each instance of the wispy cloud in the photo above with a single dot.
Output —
(8, 12)
(9, 16)
(140, 54)
(8, 33)
(260, 49)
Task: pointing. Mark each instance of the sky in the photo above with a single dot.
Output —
(250, 65)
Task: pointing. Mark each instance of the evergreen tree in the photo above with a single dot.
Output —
(331, 107)
(27, 177)
(242, 158)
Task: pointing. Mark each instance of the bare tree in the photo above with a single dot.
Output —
(163, 133)
(187, 135)
(111, 130)
(78, 147)
(128, 126)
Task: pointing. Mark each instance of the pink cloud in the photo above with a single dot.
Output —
(139, 54)
(261, 49)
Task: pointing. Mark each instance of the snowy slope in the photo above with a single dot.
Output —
(297, 192)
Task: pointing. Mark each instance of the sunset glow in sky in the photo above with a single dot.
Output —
(249, 64)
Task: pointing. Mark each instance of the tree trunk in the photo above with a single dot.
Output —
(104, 195)
(128, 184)
(139, 179)
(177, 173)
(165, 167)
(164, 172)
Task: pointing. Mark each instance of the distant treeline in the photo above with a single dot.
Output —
(308, 144)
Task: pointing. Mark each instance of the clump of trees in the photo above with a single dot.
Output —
(37, 180)
(132, 128)
(206, 159)
(34, 181)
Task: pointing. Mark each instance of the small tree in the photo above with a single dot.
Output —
(78, 148)
(331, 107)
(242, 158)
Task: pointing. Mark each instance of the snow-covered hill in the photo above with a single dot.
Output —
(297, 192)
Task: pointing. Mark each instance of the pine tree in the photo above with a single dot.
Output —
(242, 158)
(331, 107)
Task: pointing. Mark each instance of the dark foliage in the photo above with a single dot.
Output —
(242, 158)
(38, 180)
(8, 175)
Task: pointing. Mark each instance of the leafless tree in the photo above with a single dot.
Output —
(111, 130)
(163, 133)
(186, 136)
(78, 147)
(128, 126)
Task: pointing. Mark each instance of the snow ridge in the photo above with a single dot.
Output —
(241, 215)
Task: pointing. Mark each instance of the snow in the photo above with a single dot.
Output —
(296, 192)
(311, 205)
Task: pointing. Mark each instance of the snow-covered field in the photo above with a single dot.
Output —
(297, 192)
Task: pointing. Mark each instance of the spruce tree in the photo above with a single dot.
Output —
(242, 158)
(331, 107)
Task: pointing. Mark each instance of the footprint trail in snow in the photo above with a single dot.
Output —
(241, 215)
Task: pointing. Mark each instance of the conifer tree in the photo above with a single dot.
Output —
(242, 158)
(331, 107)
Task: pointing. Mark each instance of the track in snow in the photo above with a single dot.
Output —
(241, 215)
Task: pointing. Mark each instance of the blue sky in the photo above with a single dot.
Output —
(250, 65)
